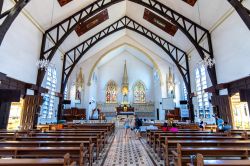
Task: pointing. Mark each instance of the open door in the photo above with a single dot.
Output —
(31, 109)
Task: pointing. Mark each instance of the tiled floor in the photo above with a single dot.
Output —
(126, 151)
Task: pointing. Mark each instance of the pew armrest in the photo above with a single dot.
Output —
(73, 164)
(174, 153)
(189, 164)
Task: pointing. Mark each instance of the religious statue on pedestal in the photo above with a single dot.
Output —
(170, 85)
(79, 85)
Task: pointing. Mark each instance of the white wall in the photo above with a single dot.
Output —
(163, 66)
(20, 49)
(137, 70)
(231, 45)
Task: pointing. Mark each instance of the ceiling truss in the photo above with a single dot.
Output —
(199, 36)
(178, 56)
(58, 33)
(242, 11)
(9, 16)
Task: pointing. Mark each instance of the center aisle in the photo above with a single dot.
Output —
(127, 151)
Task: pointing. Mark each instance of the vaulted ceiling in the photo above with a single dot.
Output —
(204, 12)
(128, 49)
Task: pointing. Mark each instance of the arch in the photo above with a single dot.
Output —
(187, 26)
(146, 54)
(139, 89)
(176, 54)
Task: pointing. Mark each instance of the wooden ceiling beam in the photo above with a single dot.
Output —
(1, 6)
(86, 26)
(161, 23)
(10, 16)
(63, 2)
(190, 2)
(242, 11)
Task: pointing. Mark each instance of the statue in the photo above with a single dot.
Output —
(170, 85)
(79, 85)
(95, 114)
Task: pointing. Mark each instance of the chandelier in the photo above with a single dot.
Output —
(208, 62)
(44, 64)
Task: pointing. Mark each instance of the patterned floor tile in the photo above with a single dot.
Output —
(122, 150)
(126, 151)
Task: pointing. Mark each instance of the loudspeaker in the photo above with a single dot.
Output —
(157, 111)
(66, 101)
(183, 102)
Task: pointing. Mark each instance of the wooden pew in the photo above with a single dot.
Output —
(87, 144)
(77, 153)
(181, 155)
(151, 134)
(109, 126)
(92, 139)
(170, 145)
(38, 162)
(202, 162)
(160, 137)
(100, 134)
(100, 137)
(104, 132)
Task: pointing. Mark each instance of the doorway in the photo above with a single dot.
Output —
(15, 115)
(240, 113)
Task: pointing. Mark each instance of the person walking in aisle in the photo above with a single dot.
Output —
(138, 124)
(127, 127)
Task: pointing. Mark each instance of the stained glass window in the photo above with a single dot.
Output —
(49, 98)
(111, 92)
(202, 97)
(139, 92)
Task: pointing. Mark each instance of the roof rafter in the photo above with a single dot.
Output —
(75, 54)
(9, 16)
(194, 32)
(242, 11)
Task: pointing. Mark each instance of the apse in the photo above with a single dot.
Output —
(125, 76)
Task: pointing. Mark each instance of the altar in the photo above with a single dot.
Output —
(125, 110)
(142, 110)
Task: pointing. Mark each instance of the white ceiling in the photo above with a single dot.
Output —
(48, 12)
(130, 50)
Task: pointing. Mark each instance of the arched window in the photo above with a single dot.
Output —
(139, 92)
(73, 92)
(49, 98)
(111, 92)
(202, 97)
(185, 92)
(66, 93)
